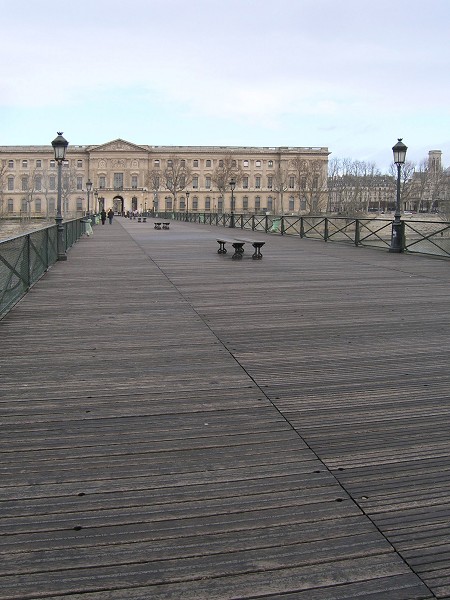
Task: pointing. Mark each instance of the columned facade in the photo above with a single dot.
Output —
(130, 177)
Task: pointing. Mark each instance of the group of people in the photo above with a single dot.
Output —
(109, 214)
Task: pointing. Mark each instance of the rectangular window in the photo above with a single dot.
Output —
(169, 162)
(10, 205)
(270, 182)
(182, 163)
(195, 163)
(182, 204)
(257, 203)
(10, 164)
(303, 183)
(79, 183)
(24, 164)
(208, 203)
(52, 182)
(24, 184)
(79, 164)
(156, 163)
(38, 183)
(208, 183)
(315, 182)
(208, 163)
(220, 163)
(195, 182)
(291, 203)
(118, 181)
(245, 183)
(245, 163)
(24, 206)
(52, 164)
(51, 205)
(220, 205)
(270, 163)
(79, 205)
(245, 203)
(168, 203)
(257, 182)
(134, 182)
(270, 203)
(195, 204)
(291, 182)
(10, 184)
(233, 163)
(303, 204)
(102, 182)
(37, 205)
(258, 163)
(38, 164)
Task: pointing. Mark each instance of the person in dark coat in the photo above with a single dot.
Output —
(103, 216)
(110, 215)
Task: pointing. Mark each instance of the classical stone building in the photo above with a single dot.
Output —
(127, 176)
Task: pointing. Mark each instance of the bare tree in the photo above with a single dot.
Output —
(281, 185)
(177, 176)
(311, 176)
(226, 170)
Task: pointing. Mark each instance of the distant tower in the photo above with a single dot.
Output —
(435, 161)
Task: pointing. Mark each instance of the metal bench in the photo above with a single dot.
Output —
(165, 225)
(238, 245)
(157, 225)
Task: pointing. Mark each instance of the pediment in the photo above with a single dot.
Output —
(118, 145)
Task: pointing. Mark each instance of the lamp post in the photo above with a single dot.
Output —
(187, 205)
(398, 226)
(96, 201)
(59, 147)
(232, 186)
(89, 190)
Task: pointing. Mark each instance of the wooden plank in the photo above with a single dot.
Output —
(174, 428)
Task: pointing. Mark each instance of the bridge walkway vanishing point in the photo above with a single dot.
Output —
(179, 425)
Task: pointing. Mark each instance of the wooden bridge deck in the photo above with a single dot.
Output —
(179, 425)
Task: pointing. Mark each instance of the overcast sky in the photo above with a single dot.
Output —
(349, 75)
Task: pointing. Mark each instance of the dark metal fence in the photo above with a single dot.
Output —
(24, 259)
(421, 236)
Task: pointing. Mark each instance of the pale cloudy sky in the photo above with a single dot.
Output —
(350, 75)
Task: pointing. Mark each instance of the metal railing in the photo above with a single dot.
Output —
(25, 258)
(421, 236)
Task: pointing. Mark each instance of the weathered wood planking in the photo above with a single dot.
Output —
(179, 426)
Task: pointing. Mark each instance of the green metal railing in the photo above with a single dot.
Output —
(421, 236)
(24, 259)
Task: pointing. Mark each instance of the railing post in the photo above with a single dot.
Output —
(253, 222)
(357, 232)
(325, 230)
(282, 225)
(302, 228)
(28, 249)
(266, 226)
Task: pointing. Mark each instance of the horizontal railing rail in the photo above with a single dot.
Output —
(422, 236)
(25, 258)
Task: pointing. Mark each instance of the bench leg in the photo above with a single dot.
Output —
(238, 251)
(257, 255)
(222, 249)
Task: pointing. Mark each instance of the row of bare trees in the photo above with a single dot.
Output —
(309, 177)
(360, 186)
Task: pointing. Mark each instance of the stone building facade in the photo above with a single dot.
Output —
(129, 177)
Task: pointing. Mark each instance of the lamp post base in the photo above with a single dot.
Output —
(60, 245)
(397, 236)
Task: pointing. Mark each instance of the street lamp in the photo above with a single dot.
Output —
(59, 147)
(187, 205)
(232, 186)
(398, 226)
(89, 190)
(96, 201)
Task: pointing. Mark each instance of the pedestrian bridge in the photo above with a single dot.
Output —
(176, 424)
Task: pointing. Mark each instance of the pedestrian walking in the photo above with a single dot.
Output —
(110, 215)
(103, 216)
